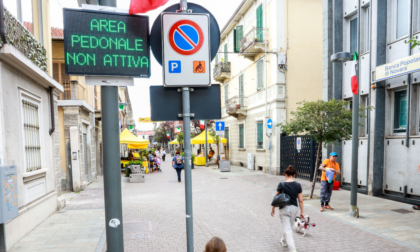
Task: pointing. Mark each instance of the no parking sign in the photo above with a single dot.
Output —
(186, 49)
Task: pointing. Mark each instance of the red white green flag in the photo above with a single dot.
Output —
(354, 82)
(143, 6)
(167, 134)
(202, 124)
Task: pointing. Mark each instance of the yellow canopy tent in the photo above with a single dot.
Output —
(174, 142)
(126, 137)
(201, 139)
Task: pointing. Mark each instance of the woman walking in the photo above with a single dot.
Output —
(289, 213)
(178, 164)
(163, 153)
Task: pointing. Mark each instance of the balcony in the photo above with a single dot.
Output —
(221, 71)
(236, 106)
(253, 43)
(72, 91)
(22, 39)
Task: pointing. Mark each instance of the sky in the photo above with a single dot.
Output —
(139, 93)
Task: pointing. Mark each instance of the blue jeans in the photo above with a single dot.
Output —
(178, 172)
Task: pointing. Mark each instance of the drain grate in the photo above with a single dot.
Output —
(402, 211)
(223, 178)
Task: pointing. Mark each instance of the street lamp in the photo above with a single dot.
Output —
(342, 57)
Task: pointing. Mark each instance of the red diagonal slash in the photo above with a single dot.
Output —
(185, 36)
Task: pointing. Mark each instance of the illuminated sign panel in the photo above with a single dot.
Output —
(105, 43)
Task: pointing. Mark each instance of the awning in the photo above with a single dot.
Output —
(146, 120)
(174, 142)
(201, 139)
(138, 146)
(126, 137)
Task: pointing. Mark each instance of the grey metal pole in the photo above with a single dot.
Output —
(111, 162)
(354, 211)
(187, 166)
(205, 147)
(410, 34)
(19, 10)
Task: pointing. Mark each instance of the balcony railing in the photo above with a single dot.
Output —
(221, 71)
(19, 37)
(236, 106)
(72, 91)
(253, 41)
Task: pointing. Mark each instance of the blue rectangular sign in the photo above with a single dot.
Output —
(220, 126)
(174, 66)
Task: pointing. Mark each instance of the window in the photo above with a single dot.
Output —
(238, 35)
(353, 36)
(241, 136)
(227, 137)
(260, 135)
(260, 74)
(366, 29)
(400, 111)
(32, 140)
(402, 18)
(226, 53)
(364, 131)
(241, 91)
(226, 92)
(26, 6)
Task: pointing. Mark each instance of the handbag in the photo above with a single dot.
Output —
(281, 199)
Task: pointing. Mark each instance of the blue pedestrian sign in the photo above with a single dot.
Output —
(269, 123)
(220, 126)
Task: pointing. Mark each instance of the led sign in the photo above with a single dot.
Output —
(105, 43)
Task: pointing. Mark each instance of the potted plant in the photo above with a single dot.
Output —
(255, 39)
(135, 165)
(238, 106)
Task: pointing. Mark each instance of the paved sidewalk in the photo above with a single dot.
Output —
(234, 206)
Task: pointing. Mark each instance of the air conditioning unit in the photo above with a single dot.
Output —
(250, 161)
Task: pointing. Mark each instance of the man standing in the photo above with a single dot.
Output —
(211, 154)
(417, 207)
(330, 165)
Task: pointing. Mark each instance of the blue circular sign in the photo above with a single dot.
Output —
(186, 37)
(269, 123)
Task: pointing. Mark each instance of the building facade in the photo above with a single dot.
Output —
(387, 164)
(266, 64)
(79, 121)
(29, 132)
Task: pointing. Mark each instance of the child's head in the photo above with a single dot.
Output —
(154, 155)
(215, 245)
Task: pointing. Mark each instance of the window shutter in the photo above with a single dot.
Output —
(226, 54)
(226, 92)
(260, 71)
(238, 37)
(259, 16)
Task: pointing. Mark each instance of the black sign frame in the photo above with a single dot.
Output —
(147, 47)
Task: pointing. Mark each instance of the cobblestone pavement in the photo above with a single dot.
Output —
(234, 206)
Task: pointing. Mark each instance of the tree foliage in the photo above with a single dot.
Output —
(160, 132)
(195, 127)
(325, 121)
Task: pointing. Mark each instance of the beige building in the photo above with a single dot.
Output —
(29, 131)
(269, 59)
(79, 115)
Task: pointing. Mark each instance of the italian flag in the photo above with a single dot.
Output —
(202, 124)
(354, 83)
(143, 6)
(178, 130)
(167, 134)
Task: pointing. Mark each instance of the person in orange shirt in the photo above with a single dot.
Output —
(327, 188)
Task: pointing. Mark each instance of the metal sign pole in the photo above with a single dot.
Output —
(187, 156)
(111, 162)
(205, 148)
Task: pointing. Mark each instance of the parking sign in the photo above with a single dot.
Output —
(186, 49)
